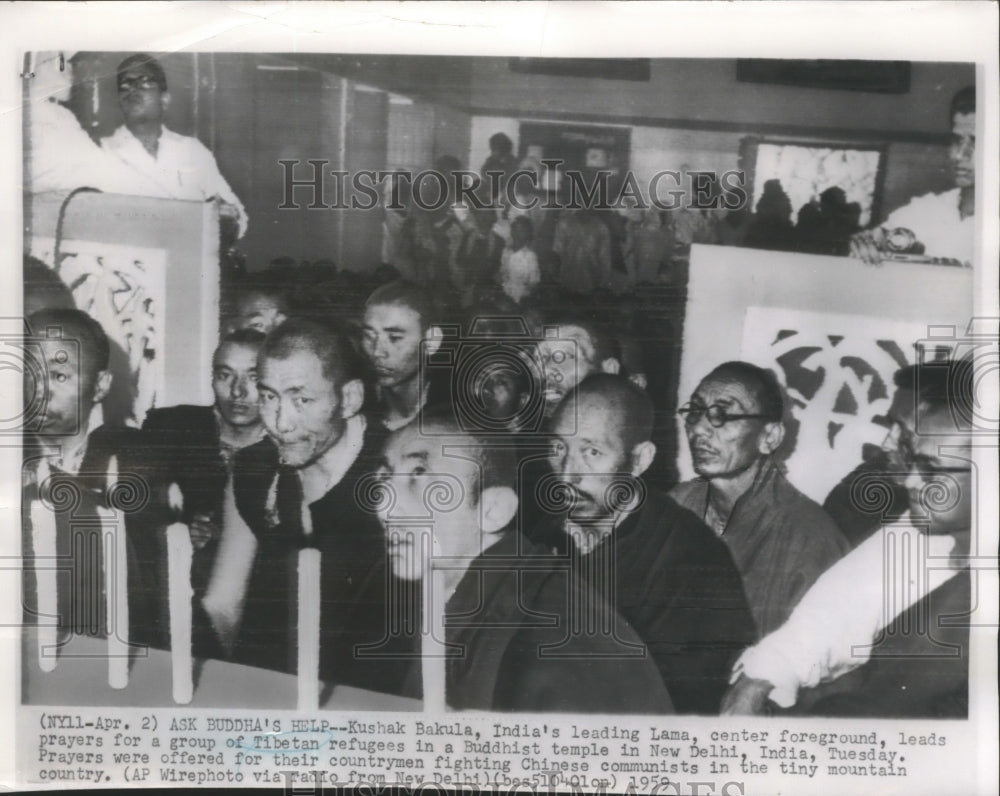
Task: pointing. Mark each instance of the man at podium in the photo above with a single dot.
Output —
(166, 164)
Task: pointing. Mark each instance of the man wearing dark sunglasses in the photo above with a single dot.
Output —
(165, 164)
(780, 539)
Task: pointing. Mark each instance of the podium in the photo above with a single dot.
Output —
(148, 271)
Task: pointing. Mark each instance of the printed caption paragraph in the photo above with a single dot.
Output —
(101, 747)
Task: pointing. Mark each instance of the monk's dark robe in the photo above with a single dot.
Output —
(74, 500)
(676, 584)
(185, 446)
(781, 541)
(515, 643)
(358, 593)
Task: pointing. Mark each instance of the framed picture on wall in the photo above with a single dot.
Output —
(806, 169)
(585, 148)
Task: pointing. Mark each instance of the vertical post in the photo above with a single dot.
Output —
(309, 599)
(43, 532)
(432, 662)
(115, 585)
(179, 556)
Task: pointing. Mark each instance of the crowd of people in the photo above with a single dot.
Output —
(349, 427)
(498, 433)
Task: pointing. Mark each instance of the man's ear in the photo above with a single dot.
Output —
(165, 100)
(102, 386)
(642, 457)
(771, 438)
(433, 338)
(352, 398)
(499, 505)
(611, 365)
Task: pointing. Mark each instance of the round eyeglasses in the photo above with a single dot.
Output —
(717, 416)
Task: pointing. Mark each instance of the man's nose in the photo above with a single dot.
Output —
(570, 467)
(239, 389)
(700, 430)
(284, 419)
(961, 152)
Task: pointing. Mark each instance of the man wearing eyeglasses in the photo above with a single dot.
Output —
(863, 642)
(780, 539)
(165, 164)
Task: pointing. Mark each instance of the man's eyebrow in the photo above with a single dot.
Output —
(726, 401)
(420, 456)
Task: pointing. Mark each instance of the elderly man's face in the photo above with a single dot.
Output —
(962, 151)
(734, 447)
(140, 96)
(589, 456)
(300, 407)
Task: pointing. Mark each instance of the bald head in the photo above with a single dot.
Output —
(496, 464)
(339, 360)
(628, 408)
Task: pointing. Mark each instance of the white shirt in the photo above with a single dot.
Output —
(182, 169)
(832, 629)
(935, 219)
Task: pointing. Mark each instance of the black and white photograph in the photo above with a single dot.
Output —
(496, 410)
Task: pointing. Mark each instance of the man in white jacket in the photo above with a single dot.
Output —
(165, 164)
